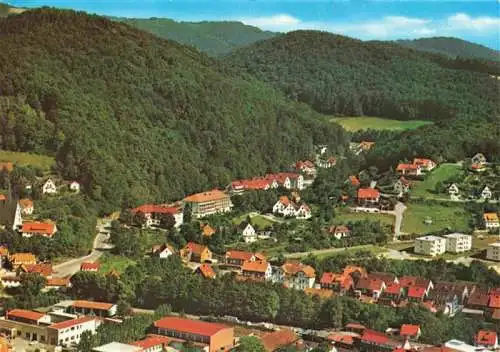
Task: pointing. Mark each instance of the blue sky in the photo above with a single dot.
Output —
(474, 20)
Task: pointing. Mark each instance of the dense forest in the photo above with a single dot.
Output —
(213, 38)
(136, 118)
(340, 75)
(453, 47)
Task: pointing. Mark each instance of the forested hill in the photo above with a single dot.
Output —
(452, 47)
(135, 117)
(214, 38)
(339, 75)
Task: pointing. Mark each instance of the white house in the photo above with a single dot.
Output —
(249, 235)
(491, 221)
(430, 245)
(286, 207)
(153, 214)
(26, 205)
(453, 190)
(458, 242)
(296, 275)
(426, 164)
(69, 332)
(340, 231)
(486, 193)
(18, 218)
(163, 251)
(493, 251)
(74, 186)
(401, 186)
(49, 187)
(479, 158)
(304, 212)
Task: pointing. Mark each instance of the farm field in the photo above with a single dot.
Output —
(425, 188)
(346, 216)
(377, 123)
(451, 216)
(24, 159)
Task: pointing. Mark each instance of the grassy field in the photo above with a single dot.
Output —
(453, 216)
(23, 159)
(117, 263)
(346, 216)
(426, 188)
(257, 220)
(376, 123)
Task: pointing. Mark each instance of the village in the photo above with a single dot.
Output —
(257, 255)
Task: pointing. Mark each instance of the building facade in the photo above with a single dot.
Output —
(208, 203)
(493, 252)
(430, 245)
(458, 242)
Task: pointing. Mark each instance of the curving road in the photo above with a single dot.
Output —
(72, 266)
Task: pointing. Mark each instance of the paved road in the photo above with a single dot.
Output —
(72, 266)
(398, 212)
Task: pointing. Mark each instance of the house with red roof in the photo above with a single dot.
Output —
(408, 169)
(237, 258)
(486, 339)
(162, 251)
(26, 205)
(206, 271)
(339, 231)
(285, 207)
(154, 213)
(410, 331)
(341, 283)
(426, 164)
(254, 184)
(296, 275)
(43, 269)
(208, 203)
(216, 336)
(281, 339)
(44, 229)
(27, 317)
(354, 181)
(257, 270)
(368, 196)
(387, 278)
(307, 167)
(391, 295)
(99, 309)
(153, 343)
(194, 252)
(478, 300)
(372, 340)
(288, 180)
(90, 266)
(416, 294)
(410, 281)
(69, 332)
(370, 287)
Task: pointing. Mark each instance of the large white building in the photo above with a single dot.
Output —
(493, 251)
(430, 245)
(458, 242)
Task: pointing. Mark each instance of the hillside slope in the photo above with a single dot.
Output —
(137, 118)
(340, 75)
(452, 47)
(214, 38)
(6, 10)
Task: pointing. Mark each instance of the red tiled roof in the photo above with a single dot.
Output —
(25, 314)
(151, 341)
(195, 247)
(196, 327)
(58, 281)
(281, 177)
(393, 289)
(153, 208)
(388, 278)
(277, 339)
(494, 291)
(7, 166)
(328, 278)
(407, 281)
(206, 196)
(344, 339)
(293, 268)
(239, 255)
(356, 326)
(39, 227)
(26, 203)
(402, 167)
(438, 349)
(494, 301)
(93, 305)
(479, 298)
(422, 161)
(409, 330)
(375, 337)
(89, 266)
(44, 269)
(260, 266)
(486, 338)
(252, 184)
(370, 284)
(341, 229)
(72, 322)
(490, 217)
(354, 181)
(364, 193)
(17, 258)
(496, 314)
(416, 292)
(207, 271)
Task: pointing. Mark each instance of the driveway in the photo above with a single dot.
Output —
(72, 266)
(398, 212)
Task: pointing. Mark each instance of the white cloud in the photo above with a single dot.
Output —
(389, 27)
(282, 22)
(464, 22)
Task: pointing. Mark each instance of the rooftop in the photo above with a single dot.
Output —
(72, 322)
(456, 235)
(277, 339)
(25, 314)
(151, 341)
(117, 347)
(206, 196)
(496, 244)
(39, 227)
(153, 208)
(368, 193)
(430, 238)
(93, 305)
(197, 327)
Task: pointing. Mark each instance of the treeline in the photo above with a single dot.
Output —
(153, 282)
(135, 118)
(343, 76)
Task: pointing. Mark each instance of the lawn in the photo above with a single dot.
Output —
(345, 216)
(23, 159)
(451, 216)
(425, 188)
(257, 220)
(376, 123)
(117, 263)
